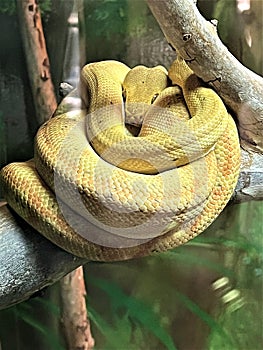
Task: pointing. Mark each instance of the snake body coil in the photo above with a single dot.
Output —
(100, 192)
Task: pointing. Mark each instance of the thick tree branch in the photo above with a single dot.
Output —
(196, 40)
(28, 262)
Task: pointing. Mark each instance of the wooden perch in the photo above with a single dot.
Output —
(28, 262)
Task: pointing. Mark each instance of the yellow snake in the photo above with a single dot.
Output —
(102, 188)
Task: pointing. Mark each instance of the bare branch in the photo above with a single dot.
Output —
(75, 321)
(37, 59)
(28, 261)
(196, 40)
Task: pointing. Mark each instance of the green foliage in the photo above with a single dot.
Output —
(51, 339)
(45, 6)
(27, 313)
(105, 17)
(32, 322)
(241, 323)
(136, 313)
(233, 325)
(211, 322)
(244, 318)
(196, 260)
(229, 25)
(7, 7)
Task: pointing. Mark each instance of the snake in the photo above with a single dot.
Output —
(145, 164)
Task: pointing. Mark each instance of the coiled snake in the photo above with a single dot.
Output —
(99, 190)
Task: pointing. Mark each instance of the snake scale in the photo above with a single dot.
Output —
(146, 164)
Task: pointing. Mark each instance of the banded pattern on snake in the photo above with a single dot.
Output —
(99, 190)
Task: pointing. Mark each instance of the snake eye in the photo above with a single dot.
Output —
(154, 98)
(124, 95)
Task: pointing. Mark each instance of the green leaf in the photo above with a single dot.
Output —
(137, 309)
(195, 309)
(26, 312)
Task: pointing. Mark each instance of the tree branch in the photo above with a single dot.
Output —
(28, 261)
(75, 321)
(196, 40)
(249, 186)
(25, 268)
(37, 59)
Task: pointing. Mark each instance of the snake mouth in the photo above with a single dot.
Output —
(132, 129)
(135, 113)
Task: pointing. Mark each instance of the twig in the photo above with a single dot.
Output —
(74, 318)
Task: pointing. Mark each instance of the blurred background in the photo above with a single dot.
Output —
(204, 295)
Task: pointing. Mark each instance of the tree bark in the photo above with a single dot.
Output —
(28, 261)
(37, 59)
(196, 40)
(249, 186)
(74, 318)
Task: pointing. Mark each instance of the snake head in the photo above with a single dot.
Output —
(141, 87)
(180, 72)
